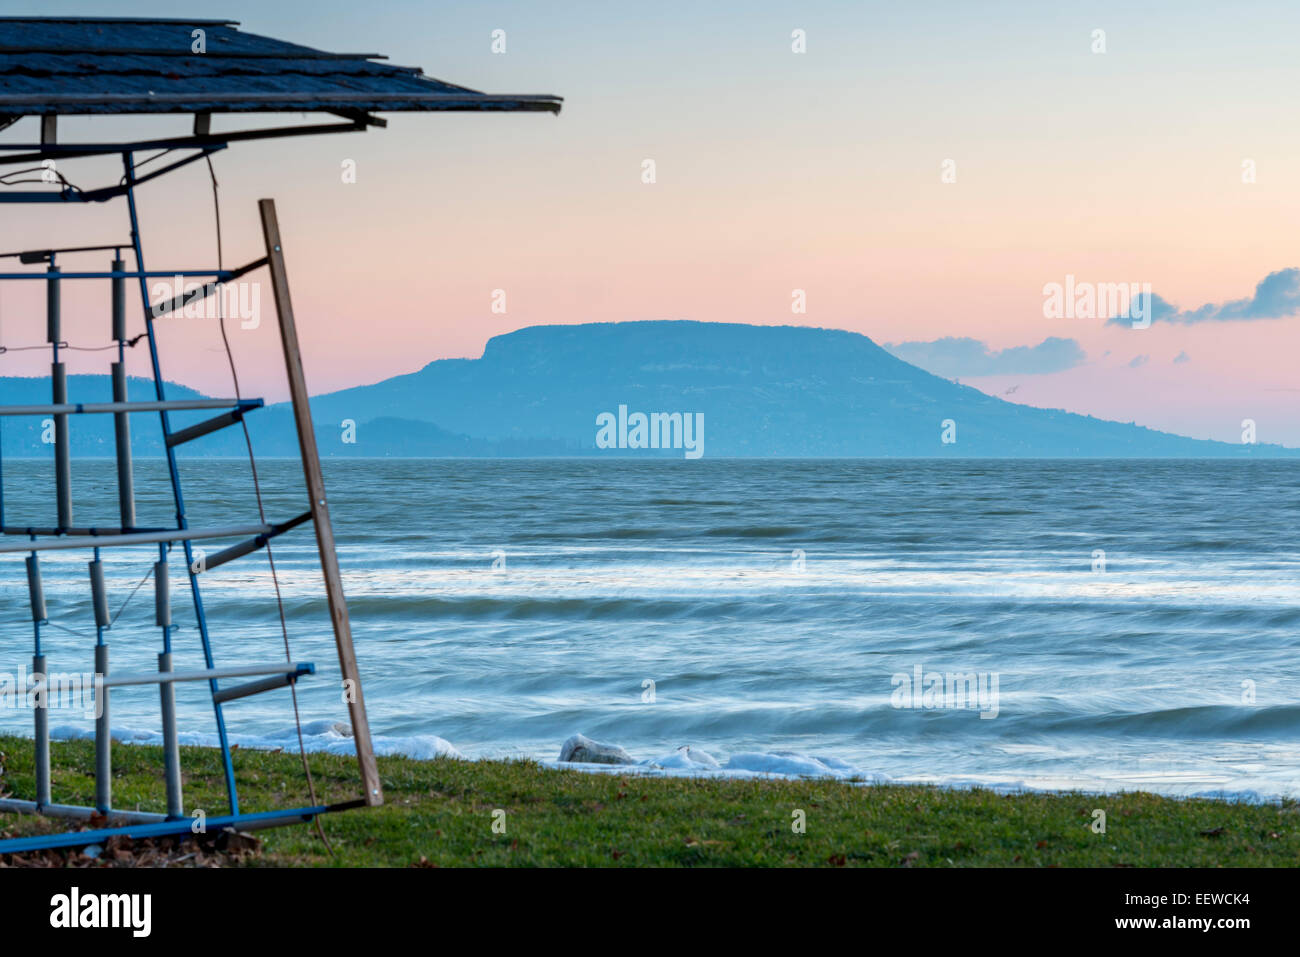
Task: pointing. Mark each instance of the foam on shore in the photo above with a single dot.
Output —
(333, 737)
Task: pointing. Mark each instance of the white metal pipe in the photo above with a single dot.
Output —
(134, 538)
(162, 595)
(99, 594)
(146, 405)
(77, 813)
(171, 740)
(117, 681)
(122, 443)
(62, 445)
(42, 742)
(103, 738)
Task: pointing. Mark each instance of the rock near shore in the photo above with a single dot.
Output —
(580, 749)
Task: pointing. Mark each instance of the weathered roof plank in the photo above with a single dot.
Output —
(115, 66)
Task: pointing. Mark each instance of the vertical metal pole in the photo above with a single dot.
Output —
(122, 434)
(103, 738)
(122, 420)
(162, 595)
(53, 312)
(167, 690)
(41, 730)
(171, 740)
(36, 592)
(103, 727)
(118, 289)
(99, 597)
(59, 380)
(62, 454)
(128, 165)
(2, 481)
(319, 508)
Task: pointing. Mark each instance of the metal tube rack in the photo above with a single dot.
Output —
(89, 71)
(32, 540)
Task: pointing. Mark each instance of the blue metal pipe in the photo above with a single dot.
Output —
(128, 164)
(41, 842)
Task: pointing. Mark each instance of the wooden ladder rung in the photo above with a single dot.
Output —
(250, 546)
(200, 429)
(263, 684)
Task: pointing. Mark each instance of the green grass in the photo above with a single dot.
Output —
(441, 812)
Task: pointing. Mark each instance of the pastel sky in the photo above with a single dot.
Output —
(776, 171)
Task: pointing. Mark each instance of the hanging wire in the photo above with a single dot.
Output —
(112, 621)
(4, 349)
(54, 624)
(129, 343)
(7, 179)
(156, 156)
(139, 585)
(261, 509)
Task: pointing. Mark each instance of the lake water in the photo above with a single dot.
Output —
(743, 608)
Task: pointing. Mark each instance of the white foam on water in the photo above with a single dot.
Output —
(687, 758)
(791, 764)
(318, 737)
(601, 573)
(686, 761)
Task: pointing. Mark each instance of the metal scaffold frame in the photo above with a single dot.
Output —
(97, 66)
(65, 535)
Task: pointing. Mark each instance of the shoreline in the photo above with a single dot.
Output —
(442, 812)
(324, 737)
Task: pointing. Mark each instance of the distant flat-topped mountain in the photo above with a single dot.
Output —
(664, 388)
(762, 390)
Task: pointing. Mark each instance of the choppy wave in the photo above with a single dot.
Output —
(1205, 721)
(1143, 618)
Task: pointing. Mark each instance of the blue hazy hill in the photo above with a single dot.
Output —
(272, 428)
(782, 391)
(92, 435)
(764, 391)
